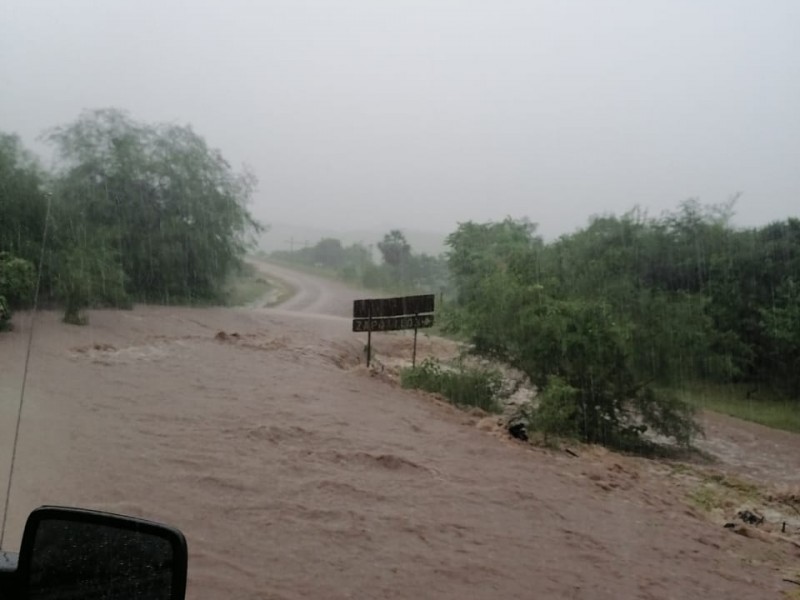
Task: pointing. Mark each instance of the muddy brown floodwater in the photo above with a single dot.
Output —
(297, 473)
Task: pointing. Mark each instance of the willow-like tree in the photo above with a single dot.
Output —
(22, 200)
(153, 200)
(23, 206)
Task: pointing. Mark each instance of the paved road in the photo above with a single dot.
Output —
(315, 295)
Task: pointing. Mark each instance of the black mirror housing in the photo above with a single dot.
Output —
(77, 553)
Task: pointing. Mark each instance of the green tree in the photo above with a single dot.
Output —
(781, 324)
(17, 280)
(156, 200)
(394, 248)
(85, 266)
(542, 310)
(23, 203)
(329, 252)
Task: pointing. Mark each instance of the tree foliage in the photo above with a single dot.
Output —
(394, 248)
(169, 207)
(23, 202)
(17, 280)
(605, 318)
(401, 270)
(139, 212)
(23, 206)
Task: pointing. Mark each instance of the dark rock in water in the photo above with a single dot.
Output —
(518, 430)
(750, 518)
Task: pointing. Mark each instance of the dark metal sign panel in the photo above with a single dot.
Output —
(392, 307)
(393, 323)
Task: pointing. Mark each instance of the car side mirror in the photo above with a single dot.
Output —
(69, 553)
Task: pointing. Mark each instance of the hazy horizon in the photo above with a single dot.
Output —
(359, 115)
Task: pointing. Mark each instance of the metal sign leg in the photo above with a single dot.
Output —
(369, 343)
(414, 351)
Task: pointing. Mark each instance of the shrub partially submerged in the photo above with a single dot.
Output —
(576, 352)
(17, 279)
(588, 388)
(565, 411)
(462, 385)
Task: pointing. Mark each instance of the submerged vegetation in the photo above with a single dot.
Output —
(462, 385)
(134, 212)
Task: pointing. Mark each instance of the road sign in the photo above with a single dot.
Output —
(393, 323)
(393, 307)
(393, 314)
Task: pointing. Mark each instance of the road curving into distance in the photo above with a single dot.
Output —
(314, 294)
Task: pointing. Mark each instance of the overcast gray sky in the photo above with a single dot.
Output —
(421, 114)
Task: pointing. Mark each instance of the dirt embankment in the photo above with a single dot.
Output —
(297, 473)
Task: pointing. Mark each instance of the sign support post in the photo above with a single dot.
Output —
(369, 337)
(414, 352)
(393, 314)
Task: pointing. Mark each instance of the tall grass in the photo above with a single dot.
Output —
(462, 386)
(763, 407)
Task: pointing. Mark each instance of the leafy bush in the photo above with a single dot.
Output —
(5, 314)
(576, 348)
(463, 386)
(588, 386)
(666, 414)
(17, 280)
(556, 412)
(781, 324)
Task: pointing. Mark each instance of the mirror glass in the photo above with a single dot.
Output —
(100, 558)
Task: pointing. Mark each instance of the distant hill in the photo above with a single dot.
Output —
(284, 236)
